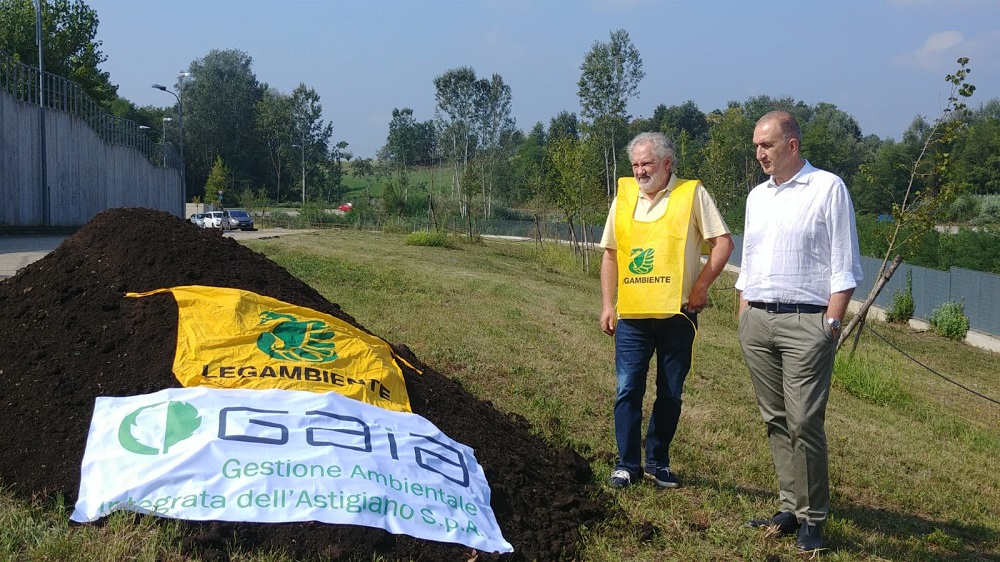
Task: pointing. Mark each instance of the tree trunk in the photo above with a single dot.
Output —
(538, 234)
(572, 235)
(883, 278)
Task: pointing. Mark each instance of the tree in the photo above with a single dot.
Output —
(529, 164)
(335, 171)
(831, 140)
(367, 171)
(309, 131)
(977, 152)
(69, 47)
(610, 76)
(220, 110)
(218, 182)
(493, 125)
(455, 94)
(919, 210)
(564, 124)
(689, 129)
(274, 123)
(574, 187)
(882, 180)
(402, 146)
(730, 167)
(755, 108)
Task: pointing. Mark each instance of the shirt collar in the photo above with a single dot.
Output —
(671, 184)
(800, 177)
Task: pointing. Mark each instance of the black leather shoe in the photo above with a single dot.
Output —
(810, 537)
(785, 521)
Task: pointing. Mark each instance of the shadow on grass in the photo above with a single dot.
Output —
(886, 534)
(902, 536)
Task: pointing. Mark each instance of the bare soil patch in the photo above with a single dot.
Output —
(69, 336)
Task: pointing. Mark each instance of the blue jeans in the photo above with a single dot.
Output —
(636, 340)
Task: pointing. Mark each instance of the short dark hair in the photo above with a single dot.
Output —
(787, 124)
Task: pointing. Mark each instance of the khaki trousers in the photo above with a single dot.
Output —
(790, 357)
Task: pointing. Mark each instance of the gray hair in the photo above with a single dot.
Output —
(663, 147)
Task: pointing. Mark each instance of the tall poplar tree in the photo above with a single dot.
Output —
(610, 76)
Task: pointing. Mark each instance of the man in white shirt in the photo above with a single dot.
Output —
(801, 263)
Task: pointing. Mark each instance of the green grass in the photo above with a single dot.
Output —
(913, 458)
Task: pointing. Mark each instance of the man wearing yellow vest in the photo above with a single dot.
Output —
(652, 263)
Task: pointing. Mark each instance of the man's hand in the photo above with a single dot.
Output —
(608, 321)
(609, 284)
(698, 299)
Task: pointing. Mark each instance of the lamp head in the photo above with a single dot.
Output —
(160, 87)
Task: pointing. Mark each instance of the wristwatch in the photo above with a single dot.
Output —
(834, 323)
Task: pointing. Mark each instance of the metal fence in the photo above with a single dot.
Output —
(978, 291)
(22, 83)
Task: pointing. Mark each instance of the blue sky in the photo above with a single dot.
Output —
(882, 61)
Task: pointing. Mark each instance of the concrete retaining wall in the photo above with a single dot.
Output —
(85, 174)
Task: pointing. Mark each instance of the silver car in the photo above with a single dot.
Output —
(236, 218)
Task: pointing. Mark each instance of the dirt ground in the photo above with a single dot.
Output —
(70, 336)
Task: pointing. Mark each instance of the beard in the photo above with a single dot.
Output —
(649, 187)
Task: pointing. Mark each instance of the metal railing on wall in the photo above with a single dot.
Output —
(21, 81)
(978, 291)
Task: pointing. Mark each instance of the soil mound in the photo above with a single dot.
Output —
(70, 336)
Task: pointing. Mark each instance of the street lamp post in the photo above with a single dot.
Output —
(144, 140)
(163, 140)
(302, 149)
(180, 123)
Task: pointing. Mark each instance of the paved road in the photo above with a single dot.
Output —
(19, 251)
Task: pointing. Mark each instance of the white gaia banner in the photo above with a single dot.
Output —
(283, 455)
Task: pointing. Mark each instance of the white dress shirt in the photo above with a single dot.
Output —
(800, 241)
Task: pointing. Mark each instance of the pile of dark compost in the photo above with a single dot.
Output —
(69, 336)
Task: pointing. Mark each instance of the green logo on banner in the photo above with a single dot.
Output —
(179, 423)
(642, 261)
(291, 339)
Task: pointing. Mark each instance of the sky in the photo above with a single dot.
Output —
(882, 61)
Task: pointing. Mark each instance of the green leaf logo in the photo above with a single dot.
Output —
(291, 339)
(642, 261)
(153, 429)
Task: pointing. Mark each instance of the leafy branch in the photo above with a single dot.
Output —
(919, 210)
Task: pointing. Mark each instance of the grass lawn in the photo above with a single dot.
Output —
(913, 458)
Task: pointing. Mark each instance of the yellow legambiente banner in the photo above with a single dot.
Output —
(229, 338)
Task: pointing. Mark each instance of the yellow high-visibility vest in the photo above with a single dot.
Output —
(651, 254)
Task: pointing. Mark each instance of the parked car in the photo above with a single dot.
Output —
(213, 219)
(198, 219)
(236, 218)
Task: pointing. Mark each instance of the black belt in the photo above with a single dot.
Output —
(786, 308)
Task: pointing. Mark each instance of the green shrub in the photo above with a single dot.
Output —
(964, 208)
(949, 320)
(902, 302)
(989, 210)
(428, 238)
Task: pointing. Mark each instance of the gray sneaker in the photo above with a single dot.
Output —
(621, 478)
